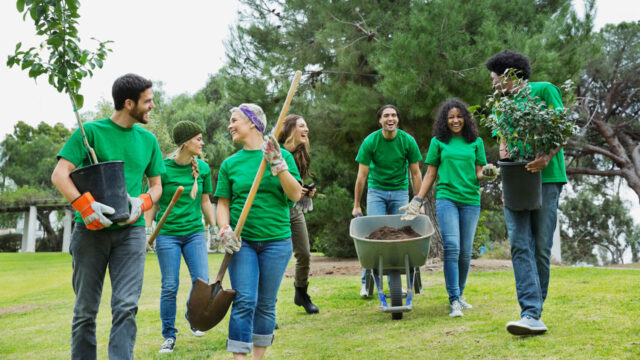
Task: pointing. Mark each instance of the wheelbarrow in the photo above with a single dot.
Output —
(392, 257)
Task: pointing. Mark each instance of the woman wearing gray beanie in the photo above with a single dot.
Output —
(257, 267)
(183, 232)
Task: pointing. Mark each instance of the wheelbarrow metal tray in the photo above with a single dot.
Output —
(392, 251)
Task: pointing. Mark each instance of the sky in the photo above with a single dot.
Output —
(178, 43)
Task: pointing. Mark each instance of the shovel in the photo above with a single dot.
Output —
(164, 217)
(208, 304)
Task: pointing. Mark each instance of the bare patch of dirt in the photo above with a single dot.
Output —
(326, 266)
(17, 309)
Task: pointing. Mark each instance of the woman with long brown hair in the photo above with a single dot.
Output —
(295, 138)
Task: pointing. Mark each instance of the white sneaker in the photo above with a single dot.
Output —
(464, 303)
(455, 309)
(167, 346)
(197, 332)
(364, 291)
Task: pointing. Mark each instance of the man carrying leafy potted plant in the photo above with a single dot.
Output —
(529, 119)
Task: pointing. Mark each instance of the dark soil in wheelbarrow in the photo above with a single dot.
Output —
(391, 233)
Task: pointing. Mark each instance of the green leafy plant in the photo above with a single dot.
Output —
(67, 63)
(526, 124)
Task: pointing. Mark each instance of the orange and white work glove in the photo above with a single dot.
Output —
(137, 206)
(230, 242)
(92, 212)
(272, 153)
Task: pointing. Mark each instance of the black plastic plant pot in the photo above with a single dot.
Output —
(105, 181)
(522, 190)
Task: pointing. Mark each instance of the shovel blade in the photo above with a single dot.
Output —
(208, 304)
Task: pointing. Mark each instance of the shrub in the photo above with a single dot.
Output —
(10, 242)
(498, 250)
(328, 224)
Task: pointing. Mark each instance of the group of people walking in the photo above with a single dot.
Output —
(275, 227)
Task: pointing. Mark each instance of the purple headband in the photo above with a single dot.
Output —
(252, 116)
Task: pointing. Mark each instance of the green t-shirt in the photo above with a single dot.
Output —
(388, 159)
(137, 147)
(268, 218)
(186, 216)
(456, 162)
(549, 93)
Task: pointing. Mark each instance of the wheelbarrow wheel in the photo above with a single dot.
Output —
(395, 288)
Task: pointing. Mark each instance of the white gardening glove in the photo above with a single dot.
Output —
(230, 242)
(412, 209)
(490, 172)
(137, 206)
(273, 155)
(92, 212)
(213, 235)
(305, 204)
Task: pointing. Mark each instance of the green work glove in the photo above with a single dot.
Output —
(490, 172)
(412, 209)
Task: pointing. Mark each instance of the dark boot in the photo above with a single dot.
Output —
(303, 299)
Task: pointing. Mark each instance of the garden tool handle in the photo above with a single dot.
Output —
(164, 217)
(258, 178)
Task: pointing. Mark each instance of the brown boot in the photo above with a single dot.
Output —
(302, 299)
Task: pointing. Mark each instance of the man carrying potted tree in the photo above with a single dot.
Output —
(530, 231)
(96, 243)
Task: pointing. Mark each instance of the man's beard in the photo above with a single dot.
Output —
(139, 116)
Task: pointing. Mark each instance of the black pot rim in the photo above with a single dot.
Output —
(100, 163)
(512, 163)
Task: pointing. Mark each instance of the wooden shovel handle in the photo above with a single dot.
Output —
(258, 178)
(174, 200)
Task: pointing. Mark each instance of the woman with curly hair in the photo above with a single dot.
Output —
(456, 155)
(295, 138)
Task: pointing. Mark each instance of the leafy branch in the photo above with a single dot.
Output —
(526, 124)
(67, 64)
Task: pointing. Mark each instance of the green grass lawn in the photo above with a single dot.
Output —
(591, 314)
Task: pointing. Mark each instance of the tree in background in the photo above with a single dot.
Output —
(609, 108)
(596, 228)
(28, 159)
(359, 55)
(29, 154)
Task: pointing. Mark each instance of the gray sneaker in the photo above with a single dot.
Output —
(464, 303)
(455, 309)
(167, 346)
(526, 326)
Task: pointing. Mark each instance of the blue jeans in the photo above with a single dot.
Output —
(169, 249)
(385, 202)
(255, 273)
(458, 224)
(531, 236)
(122, 251)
